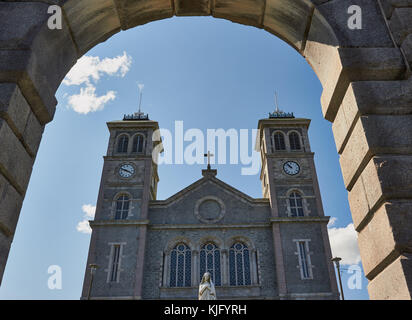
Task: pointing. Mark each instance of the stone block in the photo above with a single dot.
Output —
(360, 64)
(91, 22)
(133, 13)
(15, 163)
(21, 22)
(390, 5)
(322, 55)
(17, 66)
(34, 56)
(192, 8)
(373, 33)
(16, 111)
(407, 48)
(13, 107)
(387, 236)
(337, 67)
(387, 8)
(289, 20)
(370, 97)
(318, 2)
(5, 243)
(10, 205)
(395, 282)
(32, 134)
(400, 24)
(384, 177)
(248, 12)
(374, 134)
(55, 54)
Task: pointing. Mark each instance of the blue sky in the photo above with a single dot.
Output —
(209, 73)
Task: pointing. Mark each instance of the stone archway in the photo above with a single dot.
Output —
(367, 94)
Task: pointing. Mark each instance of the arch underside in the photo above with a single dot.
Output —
(367, 95)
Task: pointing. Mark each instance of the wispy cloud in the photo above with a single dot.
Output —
(344, 244)
(332, 221)
(83, 226)
(87, 100)
(90, 68)
(87, 72)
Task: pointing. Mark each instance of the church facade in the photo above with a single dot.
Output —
(274, 247)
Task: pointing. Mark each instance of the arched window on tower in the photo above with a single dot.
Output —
(210, 262)
(181, 266)
(294, 141)
(122, 207)
(279, 141)
(138, 143)
(122, 144)
(239, 265)
(296, 204)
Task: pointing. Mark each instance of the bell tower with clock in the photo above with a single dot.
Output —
(129, 181)
(289, 181)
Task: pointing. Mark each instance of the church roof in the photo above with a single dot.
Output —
(209, 176)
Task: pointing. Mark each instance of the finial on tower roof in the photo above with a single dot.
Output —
(279, 113)
(139, 115)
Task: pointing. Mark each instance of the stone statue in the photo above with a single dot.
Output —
(207, 288)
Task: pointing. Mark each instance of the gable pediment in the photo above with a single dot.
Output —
(198, 189)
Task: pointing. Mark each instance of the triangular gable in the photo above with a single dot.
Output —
(200, 183)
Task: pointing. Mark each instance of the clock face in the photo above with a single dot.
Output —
(126, 170)
(291, 168)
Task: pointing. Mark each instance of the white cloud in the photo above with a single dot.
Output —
(90, 68)
(332, 221)
(87, 100)
(83, 226)
(344, 244)
(89, 210)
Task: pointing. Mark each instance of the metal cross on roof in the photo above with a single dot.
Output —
(208, 155)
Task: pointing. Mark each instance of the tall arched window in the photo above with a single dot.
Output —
(239, 265)
(138, 142)
(122, 207)
(122, 144)
(296, 204)
(181, 266)
(210, 262)
(294, 141)
(279, 141)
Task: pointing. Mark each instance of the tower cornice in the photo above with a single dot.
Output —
(132, 124)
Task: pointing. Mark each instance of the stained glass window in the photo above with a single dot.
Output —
(294, 141)
(122, 144)
(122, 207)
(210, 262)
(296, 204)
(181, 266)
(239, 265)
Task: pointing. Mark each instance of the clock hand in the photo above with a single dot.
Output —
(289, 165)
(126, 170)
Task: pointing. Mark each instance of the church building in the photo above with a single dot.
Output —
(274, 247)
